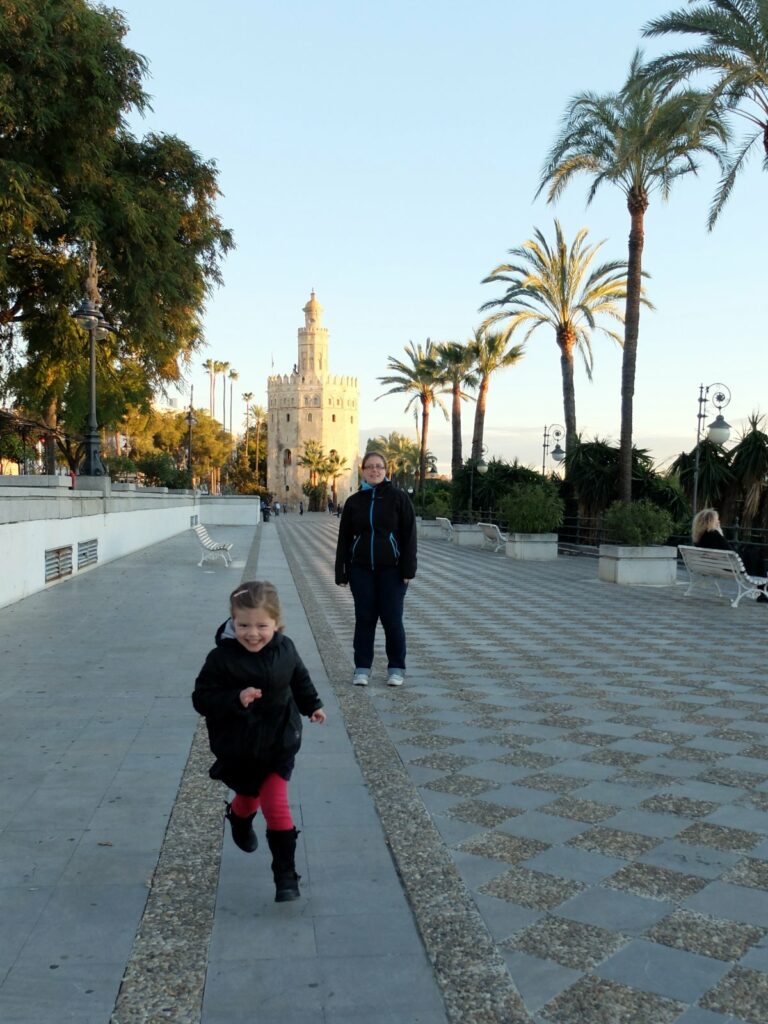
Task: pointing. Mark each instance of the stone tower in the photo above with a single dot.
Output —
(310, 405)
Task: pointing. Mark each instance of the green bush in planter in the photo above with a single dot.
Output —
(532, 508)
(637, 525)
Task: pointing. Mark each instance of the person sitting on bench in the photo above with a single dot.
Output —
(706, 532)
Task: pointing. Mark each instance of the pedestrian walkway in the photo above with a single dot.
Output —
(561, 818)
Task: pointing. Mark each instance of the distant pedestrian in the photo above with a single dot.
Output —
(277, 506)
(301, 508)
(330, 506)
(252, 690)
(339, 508)
(376, 556)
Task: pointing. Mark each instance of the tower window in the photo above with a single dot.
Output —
(334, 417)
(309, 417)
(287, 417)
(287, 457)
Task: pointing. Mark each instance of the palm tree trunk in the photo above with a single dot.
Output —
(423, 448)
(569, 390)
(477, 434)
(637, 205)
(456, 431)
(258, 442)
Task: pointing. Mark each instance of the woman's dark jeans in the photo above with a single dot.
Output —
(378, 594)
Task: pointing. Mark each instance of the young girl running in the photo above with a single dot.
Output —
(252, 690)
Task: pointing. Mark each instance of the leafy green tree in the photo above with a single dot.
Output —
(71, 173)
(640, 139)
(419, 378)
(455, 369)
(490, 355)
(733, 52)
(558, 287)
(715, 476)
(748, 462)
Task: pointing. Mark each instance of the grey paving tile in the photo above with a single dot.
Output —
(538, 981)
(571, 862)
(733, 902)
(547, 828)
(662, 826)
(77, 992)
(614, 910)
(667, 972)
(705, 861)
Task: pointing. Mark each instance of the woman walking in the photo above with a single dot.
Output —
(376, 556)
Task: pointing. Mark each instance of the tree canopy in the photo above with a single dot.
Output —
(72, 173)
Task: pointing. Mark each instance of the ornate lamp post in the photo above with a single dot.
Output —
(718, 431)
(191, 421)
(482, 468)
(557, 433)
(89, 316)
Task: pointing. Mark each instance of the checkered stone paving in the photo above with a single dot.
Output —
(616, 775)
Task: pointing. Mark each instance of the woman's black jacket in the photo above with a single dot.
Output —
(377, 530)
(250, 743)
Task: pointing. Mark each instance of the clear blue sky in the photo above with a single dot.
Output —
(387, 155)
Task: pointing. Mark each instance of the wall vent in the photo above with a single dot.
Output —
(58, 563)
(87, 553)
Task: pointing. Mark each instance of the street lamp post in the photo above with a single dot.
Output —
(191, 421)
(557, 433)
(482, 468)
(89, 316)
(718, 431)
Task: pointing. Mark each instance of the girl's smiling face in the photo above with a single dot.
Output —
(254, 627)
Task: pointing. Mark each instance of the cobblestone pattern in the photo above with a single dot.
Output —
(594, 759)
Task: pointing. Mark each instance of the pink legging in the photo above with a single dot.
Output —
(273, 799)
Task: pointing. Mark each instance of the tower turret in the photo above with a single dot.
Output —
(313, 341)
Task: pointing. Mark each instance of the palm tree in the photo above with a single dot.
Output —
(247, 398)
(210, 366)
(489, 354)
(734, 48)
(420, 380)
(455, 364)
(259, 416)
(559, 287)
(336, 468)
(639, 139)
(233, 376)
(223, 367)
(748, 462)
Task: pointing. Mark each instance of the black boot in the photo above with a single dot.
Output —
(242, 830)
(283, 847)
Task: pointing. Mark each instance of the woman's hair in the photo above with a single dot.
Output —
(370, 455)
(258, 594)
(707, 519)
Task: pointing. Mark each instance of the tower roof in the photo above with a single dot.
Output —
(312, 311)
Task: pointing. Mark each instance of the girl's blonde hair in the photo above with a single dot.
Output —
(707, 519)
(258, 594)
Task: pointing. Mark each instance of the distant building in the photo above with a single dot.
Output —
(311, 405)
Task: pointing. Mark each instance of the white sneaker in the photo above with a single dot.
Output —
(361, 677)
(395, 678)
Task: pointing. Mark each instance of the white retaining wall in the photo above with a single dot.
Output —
(121, 519)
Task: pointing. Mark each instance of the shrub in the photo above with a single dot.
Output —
(637, 524)
(532, 508)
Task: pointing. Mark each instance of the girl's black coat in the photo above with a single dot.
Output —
(377, 531)
(250, 743)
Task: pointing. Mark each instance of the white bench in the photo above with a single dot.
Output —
(212, 549)
(705, 564)
(445, 525)
(492, 536)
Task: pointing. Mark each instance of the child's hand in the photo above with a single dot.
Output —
(249, 695)
(317, 716)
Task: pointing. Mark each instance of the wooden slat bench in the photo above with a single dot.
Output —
(706, 565)
(212, 549)
(492, 536)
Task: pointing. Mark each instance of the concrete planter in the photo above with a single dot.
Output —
(532, 547)
(644, 567)
(429, 529)
(467, 535)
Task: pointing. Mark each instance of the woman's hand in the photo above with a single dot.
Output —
(317, 716)
(249, 695)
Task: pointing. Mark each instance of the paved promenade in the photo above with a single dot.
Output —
(561, 818)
